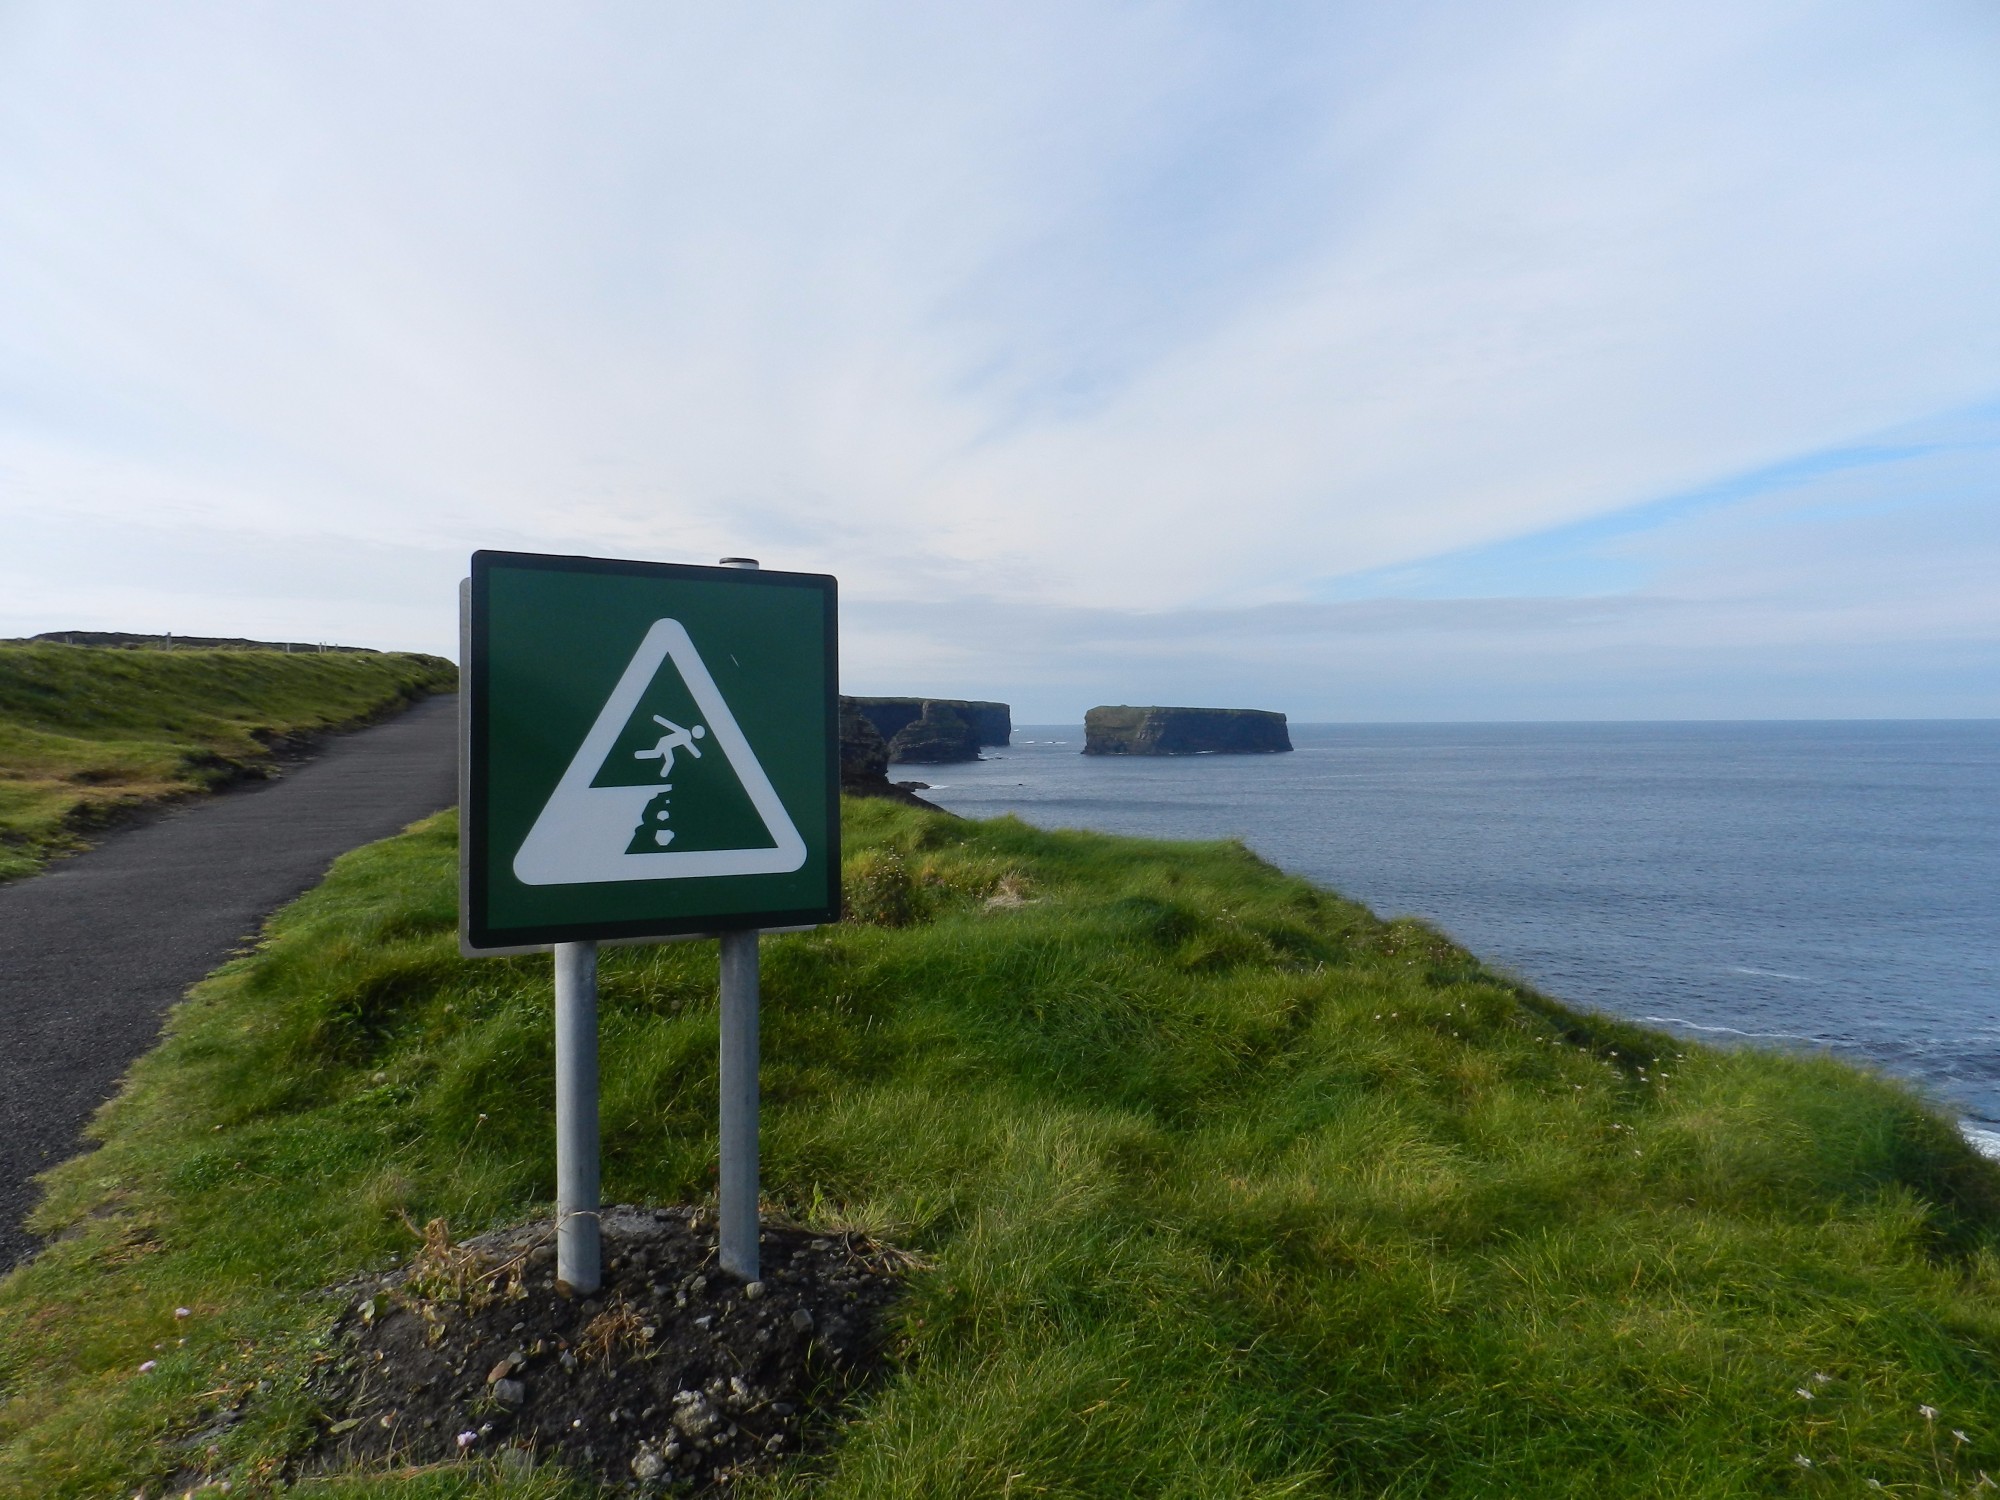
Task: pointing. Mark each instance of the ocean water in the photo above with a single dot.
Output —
(1817, 885)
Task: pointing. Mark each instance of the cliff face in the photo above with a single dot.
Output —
(864, 761)
(992, 723)
(1118, 730)
(938, 736)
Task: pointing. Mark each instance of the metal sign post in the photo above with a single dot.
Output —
(648, 752)
(739, 1104)
(577, 1255)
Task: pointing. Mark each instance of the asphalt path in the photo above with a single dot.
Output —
(94, 950)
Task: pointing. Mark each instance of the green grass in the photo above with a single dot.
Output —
(1227, 1187)
(89, 733)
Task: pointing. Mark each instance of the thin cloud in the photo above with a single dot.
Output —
(1170, 312)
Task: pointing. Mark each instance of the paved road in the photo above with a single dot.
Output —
(95, 950)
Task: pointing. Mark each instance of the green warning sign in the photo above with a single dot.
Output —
(650, 750)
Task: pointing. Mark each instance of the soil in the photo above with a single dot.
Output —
(672, 1379)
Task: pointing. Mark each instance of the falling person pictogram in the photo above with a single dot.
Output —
(676, 738)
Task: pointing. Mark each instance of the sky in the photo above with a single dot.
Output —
(1562, 359)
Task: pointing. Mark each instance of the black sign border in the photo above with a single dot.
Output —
(476, 935)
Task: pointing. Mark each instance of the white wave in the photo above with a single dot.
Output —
(1771, 974)
(1985, 1142)
(1759, 1036)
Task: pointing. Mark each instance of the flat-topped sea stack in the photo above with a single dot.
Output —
(1118, 730)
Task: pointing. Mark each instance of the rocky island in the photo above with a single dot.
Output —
(1119, 730)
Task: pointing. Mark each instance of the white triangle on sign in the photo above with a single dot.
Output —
(582, 833)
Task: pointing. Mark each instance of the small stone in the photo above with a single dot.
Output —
(774, 1442)
(647, 1464)
(507, 1365)
(802, 1320)
(512, 1394)
(703, 1321)
(753, 1291)
(696, 1419)
(782, 1408)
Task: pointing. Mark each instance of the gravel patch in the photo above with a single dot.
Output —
(674, 1378)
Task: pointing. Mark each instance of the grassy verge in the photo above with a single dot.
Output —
(88, 734)
(1229, 1189)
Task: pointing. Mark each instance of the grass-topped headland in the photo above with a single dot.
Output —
(1221, 1187)
(89, 733)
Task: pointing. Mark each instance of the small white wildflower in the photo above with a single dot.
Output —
(1819, 1379)
(1960, 1435)
(149, 1366)
(1802, 1461)
(1803, 1392)
(1929, 1413)
(183, 1312)
(467, 1439)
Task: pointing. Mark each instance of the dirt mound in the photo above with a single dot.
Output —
(672, 1379)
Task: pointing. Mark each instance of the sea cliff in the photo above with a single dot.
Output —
(1120, 730)
(991, 723)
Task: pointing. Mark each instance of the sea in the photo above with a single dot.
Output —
(1832, 886)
